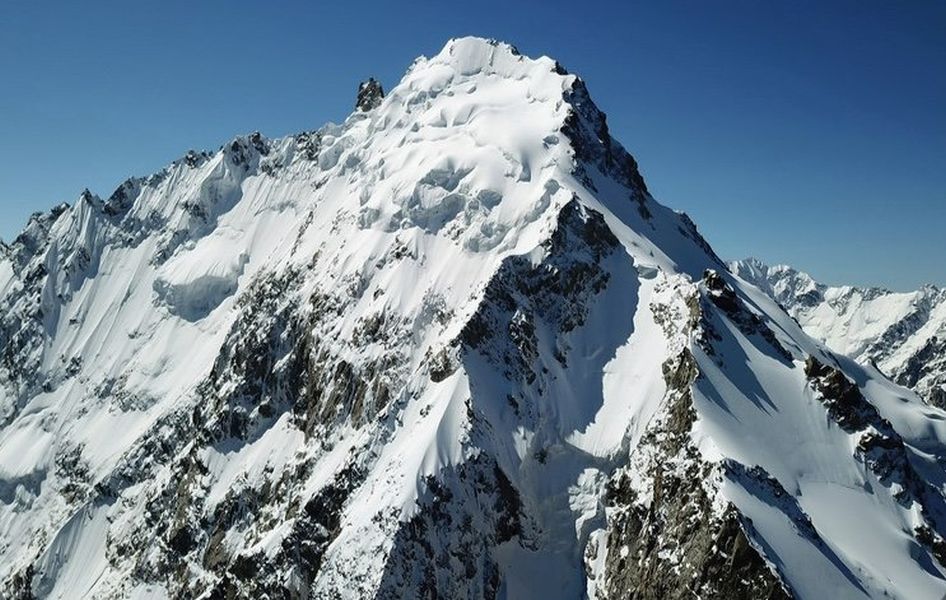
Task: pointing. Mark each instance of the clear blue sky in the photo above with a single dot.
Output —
(812, 133)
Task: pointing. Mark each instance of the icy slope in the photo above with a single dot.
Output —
(903, 333)
(449, 348)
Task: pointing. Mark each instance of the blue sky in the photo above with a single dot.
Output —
(810, 133)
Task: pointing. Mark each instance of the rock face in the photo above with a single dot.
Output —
(902, 333)
(370, 94)
(452, 348)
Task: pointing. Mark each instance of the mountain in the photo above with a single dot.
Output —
(902, 333)
(452, 347)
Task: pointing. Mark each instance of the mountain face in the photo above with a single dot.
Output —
(902, 333)
(450, 348)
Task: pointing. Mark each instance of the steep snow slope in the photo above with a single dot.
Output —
(904, 334)
(449, 348)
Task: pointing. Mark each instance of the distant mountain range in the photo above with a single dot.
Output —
(902, 333)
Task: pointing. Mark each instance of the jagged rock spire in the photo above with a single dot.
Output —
(370, 94)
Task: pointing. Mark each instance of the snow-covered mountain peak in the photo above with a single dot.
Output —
(449, 347)
(467, 56)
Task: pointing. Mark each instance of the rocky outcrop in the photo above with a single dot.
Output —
(447, 549)
(370, 94)
(722, 295)
(667, 537)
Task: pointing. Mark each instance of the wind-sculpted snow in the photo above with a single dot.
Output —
(451, 347)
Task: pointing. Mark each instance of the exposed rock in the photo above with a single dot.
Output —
(370, 95)
(674, 544)
(724, 297)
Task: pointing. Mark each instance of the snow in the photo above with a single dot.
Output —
(881, 550)
(757, 412)
(75, 559)
(794, 554)
(196, 282)
(24, 449)
(229, 467)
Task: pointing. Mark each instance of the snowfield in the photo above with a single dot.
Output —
(451, 347)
